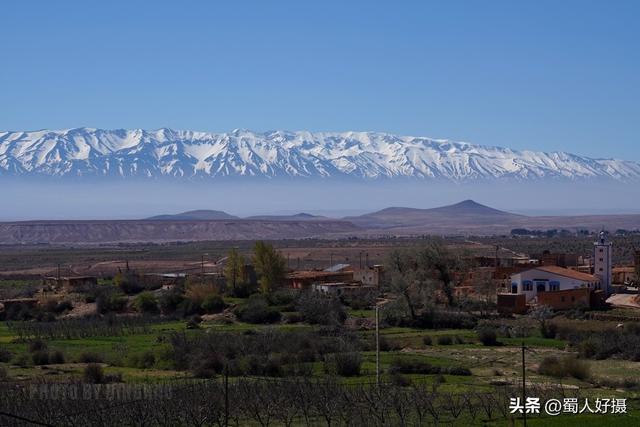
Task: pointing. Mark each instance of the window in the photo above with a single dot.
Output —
(573, 299)
(562, 299)
(601, 259)
(600, 269)
(554, 286)
(527, 285)
(601, 250)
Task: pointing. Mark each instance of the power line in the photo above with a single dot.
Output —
(27, 420)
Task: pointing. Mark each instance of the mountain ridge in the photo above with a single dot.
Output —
(466, 218)
(92, 152)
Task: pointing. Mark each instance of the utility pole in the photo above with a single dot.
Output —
(377, 344)
(360, 260)
(226, 395)
(330, 259)
(367, 259)
(524, 388)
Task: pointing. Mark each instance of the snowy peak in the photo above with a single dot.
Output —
(366, 155)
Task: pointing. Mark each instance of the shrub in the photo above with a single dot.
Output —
(19, 312)
(109, 301)
(37, 345)
(299, 369)
(457, 370)
(170, 301)
(189, 307)
(257, 310)
(548, 330)
(426, 340)
(40, 357)
(411, 366)
(146, 303)
(145, 360)
(564, 367)
(282, 297)
(213, 304)
(344, 364)
(360, 301)
(321, 309)
(445, 340)
(399, 380)
(62, 306)
(388, 345)
(88, 357)
(445, 319)
(487, 336)
(93, 374)
(293, 317)
(56, 358)
(128, 282)
(21, 360)
(5, 355)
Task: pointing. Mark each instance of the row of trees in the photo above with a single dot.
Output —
(267, 403)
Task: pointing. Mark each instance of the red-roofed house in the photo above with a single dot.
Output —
(558, 287)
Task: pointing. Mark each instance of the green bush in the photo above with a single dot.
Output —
(457, 370)
(346, 364)
(109, 301)
(145, 360)
(129, 282)
(488, 336)
(564, 367)
(62, 306)
(213, 304)
(5, 355)
(321, 309)
(37, 345)
(170, 301)
(94, 374)
(89, 357)
(257, 311)
(146, 303)
(411, 366)
(56, 358)
(399, 380)
(40, 357)
(445, 340)
(548, 330)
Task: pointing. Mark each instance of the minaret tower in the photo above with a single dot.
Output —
(602, 254)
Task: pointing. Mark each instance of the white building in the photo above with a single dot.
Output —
(549, 278)
(602, 255)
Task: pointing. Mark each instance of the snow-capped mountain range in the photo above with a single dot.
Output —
(367, 155)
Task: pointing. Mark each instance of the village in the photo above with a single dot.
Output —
(429, 318)
(513, 282)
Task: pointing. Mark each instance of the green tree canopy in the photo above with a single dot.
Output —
(234, 268)
(270, 266)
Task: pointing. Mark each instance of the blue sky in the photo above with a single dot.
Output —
(544, 75)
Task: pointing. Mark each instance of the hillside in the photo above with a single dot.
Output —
(94, 232)
(459, 214)
(197, 215)
(297, 217)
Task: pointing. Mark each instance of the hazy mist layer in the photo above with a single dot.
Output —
(54, 199)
